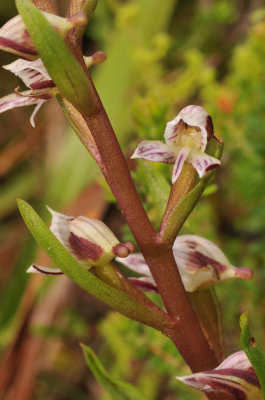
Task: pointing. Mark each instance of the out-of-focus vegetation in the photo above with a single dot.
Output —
(161, 57)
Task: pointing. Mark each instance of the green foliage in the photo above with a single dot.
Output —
(254, 353)
(118, 389)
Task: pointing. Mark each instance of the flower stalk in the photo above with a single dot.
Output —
(68, 71)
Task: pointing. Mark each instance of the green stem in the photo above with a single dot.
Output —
(111, 275)
(181, 205)
(179, 191)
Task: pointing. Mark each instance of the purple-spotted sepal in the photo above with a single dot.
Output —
(89, 240)
(14, 37)
(186, 138)
(200, 262)
(234, 376)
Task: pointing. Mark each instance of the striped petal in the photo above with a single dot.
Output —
(201, 263)
(14, 37)
(234, 376)
(12, 101)
(192, 116)
(155, 150)
(202, 162)
(145, 284)
(38, 269)
(181, 158)
(136, 263)
(32, 73)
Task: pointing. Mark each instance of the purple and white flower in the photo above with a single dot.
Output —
(200, 262)
(89, 240)
(186, 138)
(36, 78)
(234, 376)
(14, 37)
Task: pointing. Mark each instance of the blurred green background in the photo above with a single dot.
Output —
(161, 57)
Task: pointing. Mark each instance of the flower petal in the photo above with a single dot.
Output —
(31, 72)
(201, 263)
(15, 39)
(12, 101)
(202, 162)
(136, 263)
(191, 115)
(145, 284)
(181, 158)
(38, 269)
(155, 150)
(87, 239)
(234, 376)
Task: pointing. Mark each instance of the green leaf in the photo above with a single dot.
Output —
(64, 69)
(116, 299)
(118, 389)
(252, 350)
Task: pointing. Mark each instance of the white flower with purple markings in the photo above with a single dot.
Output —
(186, 138)
(200, 262)
(89, 240)
(234, 376)
(14, 39)
(36, 78)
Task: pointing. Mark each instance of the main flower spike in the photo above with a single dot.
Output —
(234, 376)
(200, 262)
(89, 240)
(186, 138)
(14, 37)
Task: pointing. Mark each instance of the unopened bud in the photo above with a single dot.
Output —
(87, 239)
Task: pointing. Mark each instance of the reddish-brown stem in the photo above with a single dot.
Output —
(186, 332)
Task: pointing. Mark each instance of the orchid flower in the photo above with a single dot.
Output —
(234, 376)
(89, 240)
(15, 39)
(36, 78)
(200, 262)
(186, 138)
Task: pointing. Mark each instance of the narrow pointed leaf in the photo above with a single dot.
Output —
(114, 298)
(61, 65)
(252, 350)
(118, 389)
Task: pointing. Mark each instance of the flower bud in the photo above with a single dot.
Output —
(87, 239)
